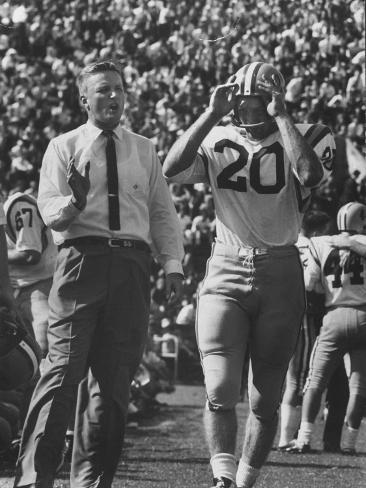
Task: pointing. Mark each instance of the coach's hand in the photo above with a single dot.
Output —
(174, 286)
(79, 184)
(223, 99)
(273, 87)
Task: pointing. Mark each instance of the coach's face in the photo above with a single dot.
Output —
(103, 98)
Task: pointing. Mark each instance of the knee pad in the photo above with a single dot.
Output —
(212, 407)
(223, 396)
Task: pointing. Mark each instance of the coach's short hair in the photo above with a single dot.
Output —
(97, 67)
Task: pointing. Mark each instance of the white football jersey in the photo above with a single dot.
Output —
(258, 198)
(343, 280)
(26, 230)
(303, 245)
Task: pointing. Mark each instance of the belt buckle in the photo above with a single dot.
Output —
(113, 242)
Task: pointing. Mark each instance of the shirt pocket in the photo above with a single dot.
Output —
(135, 183)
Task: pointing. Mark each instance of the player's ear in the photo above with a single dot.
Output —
(84, 101)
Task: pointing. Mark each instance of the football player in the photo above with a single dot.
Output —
(314, 223)
(31, 257)
(6, 292)
(261, 168)
(19, 354)
(338, 263)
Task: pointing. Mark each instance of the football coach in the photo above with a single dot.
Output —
(103, 195)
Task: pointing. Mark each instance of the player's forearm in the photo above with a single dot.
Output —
(184, 150)
(302, 156)
(358, 248)
(57, 212)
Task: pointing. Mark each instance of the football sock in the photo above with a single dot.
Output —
(290, 421)
(246, 475)
(349, 438)
(223, 465)
(305, 433)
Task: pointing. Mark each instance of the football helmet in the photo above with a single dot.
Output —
(351, 218)
(250, 111)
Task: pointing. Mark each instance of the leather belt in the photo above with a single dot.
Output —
(106, 241)
(252, 251)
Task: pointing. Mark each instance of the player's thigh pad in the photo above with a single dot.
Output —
(329, 348)
(222, 331)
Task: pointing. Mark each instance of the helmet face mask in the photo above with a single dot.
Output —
(351, 218)
(250, 112)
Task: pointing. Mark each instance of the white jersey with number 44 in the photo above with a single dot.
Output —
(258, 198)
(342, 274)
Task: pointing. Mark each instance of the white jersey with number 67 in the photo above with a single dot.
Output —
(26, 230)
(258, 198)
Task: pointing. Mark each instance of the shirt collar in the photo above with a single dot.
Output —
(95, 131)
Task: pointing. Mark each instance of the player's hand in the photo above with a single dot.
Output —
(174, 286)
(272, 86)
(222, 100)
(79, 184)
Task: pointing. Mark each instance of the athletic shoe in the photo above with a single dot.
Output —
(221, 483)
(287, 446)
(299, 449)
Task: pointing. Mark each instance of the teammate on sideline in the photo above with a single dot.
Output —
(31, 256)
(6, 292)
(338, 263)
(261, 170)
(314, 223)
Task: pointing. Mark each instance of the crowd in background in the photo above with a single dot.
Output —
(172, 54)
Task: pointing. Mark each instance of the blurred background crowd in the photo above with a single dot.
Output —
(172, 54)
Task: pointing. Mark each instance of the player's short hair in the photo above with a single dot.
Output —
(315, 221)
(97, 67)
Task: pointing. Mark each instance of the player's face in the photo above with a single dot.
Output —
(252, 111)
(104, 99)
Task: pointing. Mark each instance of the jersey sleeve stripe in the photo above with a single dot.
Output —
(205, 164)
(9, 227)
(314, 253)
(319, 132)
(309, 132)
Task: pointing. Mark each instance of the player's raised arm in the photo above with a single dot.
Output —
(184, 150)
(302, 156)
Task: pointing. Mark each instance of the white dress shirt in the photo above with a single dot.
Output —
(147, 212)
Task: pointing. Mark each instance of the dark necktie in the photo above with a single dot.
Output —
(112, 179)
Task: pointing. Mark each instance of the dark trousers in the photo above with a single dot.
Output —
(99, 310)
(337, 400)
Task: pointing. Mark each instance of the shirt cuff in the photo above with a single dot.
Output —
(71, 210)
(173, 266)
